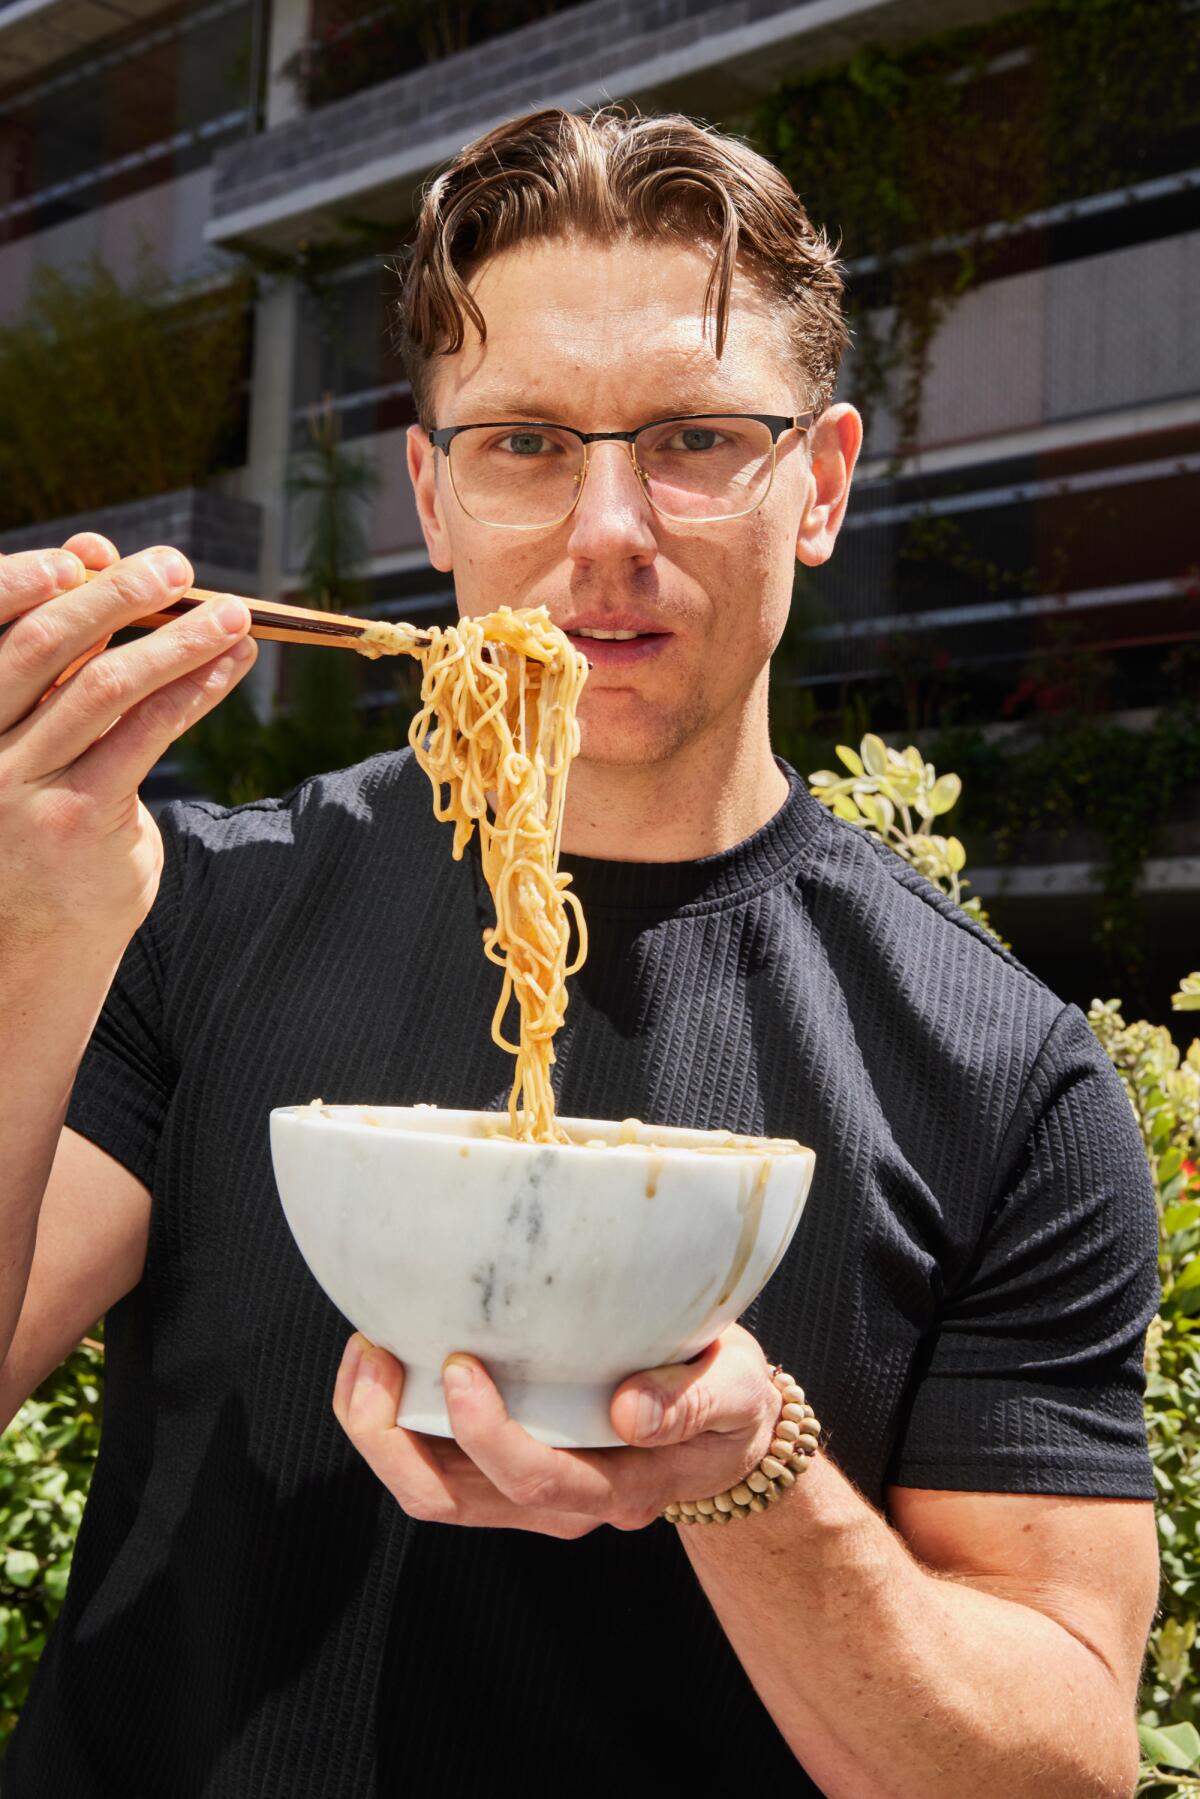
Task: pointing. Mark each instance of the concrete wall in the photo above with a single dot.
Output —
(1109, 331)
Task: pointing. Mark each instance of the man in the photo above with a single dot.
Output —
(273, 1597)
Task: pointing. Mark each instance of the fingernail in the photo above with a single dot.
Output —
(649, 1412)
(457, 1376)
(172, 568)
(367, 1375)
(65, 570)
(352, 1354)
(231, 616)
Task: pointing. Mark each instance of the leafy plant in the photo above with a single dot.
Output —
(884, 789)
(112, 393)
(1164, 1091)
(46, 1461)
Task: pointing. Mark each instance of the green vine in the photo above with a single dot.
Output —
(1062, 774)
(916, 151)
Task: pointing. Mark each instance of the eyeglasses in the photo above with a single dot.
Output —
(696, 469)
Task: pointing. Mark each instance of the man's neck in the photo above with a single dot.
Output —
(711, 796)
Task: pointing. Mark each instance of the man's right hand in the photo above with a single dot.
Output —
(78, 848)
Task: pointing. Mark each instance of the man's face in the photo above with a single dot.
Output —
(607, 339)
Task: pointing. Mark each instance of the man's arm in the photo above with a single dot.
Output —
(1005, 1661)
(1002, 1663)
(92, 1232)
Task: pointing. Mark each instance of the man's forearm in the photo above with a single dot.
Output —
(892, 1682)
(48, 1005)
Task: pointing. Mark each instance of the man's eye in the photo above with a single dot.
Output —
(693, 437)
(525, 443)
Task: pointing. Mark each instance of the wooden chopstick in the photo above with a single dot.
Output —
(271, 619)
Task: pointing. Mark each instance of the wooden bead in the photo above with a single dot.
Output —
(723, 1502)
(786, 1478)
(672, 1513)
(787, 1428)
(782, 1448)
(757, 1503)
(740, 1511)
(721, 1518)
(757, 1481)
(771, 1467)
(795, 1414)
(687, 1508)
(741, 1494)
(792, 1394)
(799, 1464)
(807, 1442)
(771, 1494)
(706, 1507)
(781, 1380)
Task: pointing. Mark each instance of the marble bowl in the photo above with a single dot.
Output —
(563, 1267)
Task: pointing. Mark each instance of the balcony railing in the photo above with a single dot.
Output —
(217, 532)
(369, 148)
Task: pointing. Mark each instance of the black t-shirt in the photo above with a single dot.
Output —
(250, 1615)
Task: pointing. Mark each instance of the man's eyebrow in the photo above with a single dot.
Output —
(504, 407)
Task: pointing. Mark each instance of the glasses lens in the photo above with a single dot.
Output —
(516, 475)
(710, 467)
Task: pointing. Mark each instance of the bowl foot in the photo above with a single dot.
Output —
(562, 1414)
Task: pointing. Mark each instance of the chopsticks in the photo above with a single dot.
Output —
(270, 619)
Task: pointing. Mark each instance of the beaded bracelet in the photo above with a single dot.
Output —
(797, 1434)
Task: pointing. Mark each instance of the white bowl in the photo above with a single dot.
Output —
(563, 1267)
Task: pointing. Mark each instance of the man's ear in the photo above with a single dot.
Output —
(836, 441)
(423, 473)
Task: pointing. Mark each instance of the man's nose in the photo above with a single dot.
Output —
(613, 515)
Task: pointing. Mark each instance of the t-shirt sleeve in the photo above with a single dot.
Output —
(127, 1074)
(1033, 1381)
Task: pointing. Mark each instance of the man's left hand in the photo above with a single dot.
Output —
(694, 1429)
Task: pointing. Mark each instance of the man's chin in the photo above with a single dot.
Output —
(632, 742)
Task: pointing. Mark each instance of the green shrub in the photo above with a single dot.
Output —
(46, 1460)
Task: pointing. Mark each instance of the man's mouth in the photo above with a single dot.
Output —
(616, 646)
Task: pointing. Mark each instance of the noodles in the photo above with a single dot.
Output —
(497, 715)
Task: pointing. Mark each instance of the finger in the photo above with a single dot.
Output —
(119, 763)
(76, 716)
(74, 667)
(92, 549)
(529, 1473)
(367, 1396)
(48, 637)
(430, 1477)
(30, 577)
(726, 1389)
(351, 1356)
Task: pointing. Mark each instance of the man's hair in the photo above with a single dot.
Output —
(608, 178)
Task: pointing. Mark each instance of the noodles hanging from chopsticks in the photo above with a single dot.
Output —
(497, 715)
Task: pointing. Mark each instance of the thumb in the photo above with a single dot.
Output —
(717, 1391)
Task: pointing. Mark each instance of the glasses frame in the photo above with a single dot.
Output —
(777, 423)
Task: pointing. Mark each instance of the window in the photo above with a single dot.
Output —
(147, 107)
